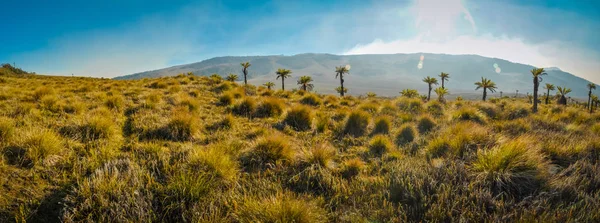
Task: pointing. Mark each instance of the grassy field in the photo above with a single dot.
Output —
(202, 149)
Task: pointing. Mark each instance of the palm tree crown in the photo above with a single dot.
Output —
(409, 93)
(441, 92)
(444, 77)
(283, 74)
(269, 85)
(340, 71)
(245, 71)
(486, 84)
(549, 87)
(304, 82)
(430, 81)
(232, 77)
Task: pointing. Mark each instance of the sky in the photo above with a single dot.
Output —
(109, 38)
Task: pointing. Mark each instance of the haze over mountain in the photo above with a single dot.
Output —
(384, 74)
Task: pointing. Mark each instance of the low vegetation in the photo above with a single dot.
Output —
(207, 149)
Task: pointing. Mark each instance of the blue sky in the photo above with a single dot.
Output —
(110, 38)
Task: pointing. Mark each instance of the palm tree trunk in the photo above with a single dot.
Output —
(429, 94)
(443, 83)
(536, 85)
(245, 78)
(589, 104)
(283, 83)
(484, 93)
(548, 96)
(342, 85)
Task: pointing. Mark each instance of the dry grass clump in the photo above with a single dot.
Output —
(435, 108)
(469, 114)
(352, 167)
(40, 92)
(269, 107)
(299, 118)
(245, 107)
(425, 124)
(269, 151)
(7, 129)
(215, 161)
(517, 110)
(382, 125)
(380, 145)
(321, 155)
(460, 141)
(225, 100)
(181, 127)
(515, 167)
(513, 127)
(281, 207)
(119, 191)
(33, 145)
(356, 123)
(406, 134)
(311, 99)
(369, 107)
(115, 102)
(410, 105)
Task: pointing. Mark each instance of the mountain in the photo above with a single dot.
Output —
(384, 74)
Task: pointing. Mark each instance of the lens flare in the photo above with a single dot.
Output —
(422, 57)
(495, 65)
(420, 66)
(348, 67)
(498, 70)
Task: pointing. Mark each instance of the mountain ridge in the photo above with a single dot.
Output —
(384, 74)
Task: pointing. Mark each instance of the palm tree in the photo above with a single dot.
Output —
(590, 86)
(486, 84)
(341, 90)
(283, 74)
(441, 92)
(409, 93)
(245, 71)
(594, 101)
(430, 81)
(232, 77)
(549, 87)
(500, 94)
(269, 85)
(563, 91)
(304, 81)
(537, 78)
(340, 71)
(444, 77)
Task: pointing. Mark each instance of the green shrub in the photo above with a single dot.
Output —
(380, 145)
(311, 99)
(356, 123)
(425, 124)
(269, 107)
(406, 134)
(515, 167)
(299, 118)
(119, 191)
(245, 108)
(382, 125)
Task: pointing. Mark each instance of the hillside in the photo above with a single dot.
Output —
(382, 74)
(200, 149)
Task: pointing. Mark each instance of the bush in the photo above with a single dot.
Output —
(515, 167)
(468, 114)
(425, 124)
(269, 107)
(299, 118)
(245, 108)
(407, 134)
(356, 123)
(117, 192)
(282, 207)
(382, 125)
(311, 99)
(269, 151)
(380, 145)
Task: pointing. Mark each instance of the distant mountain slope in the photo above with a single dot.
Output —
(383, 74)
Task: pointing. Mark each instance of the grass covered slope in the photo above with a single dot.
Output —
(198, 149)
